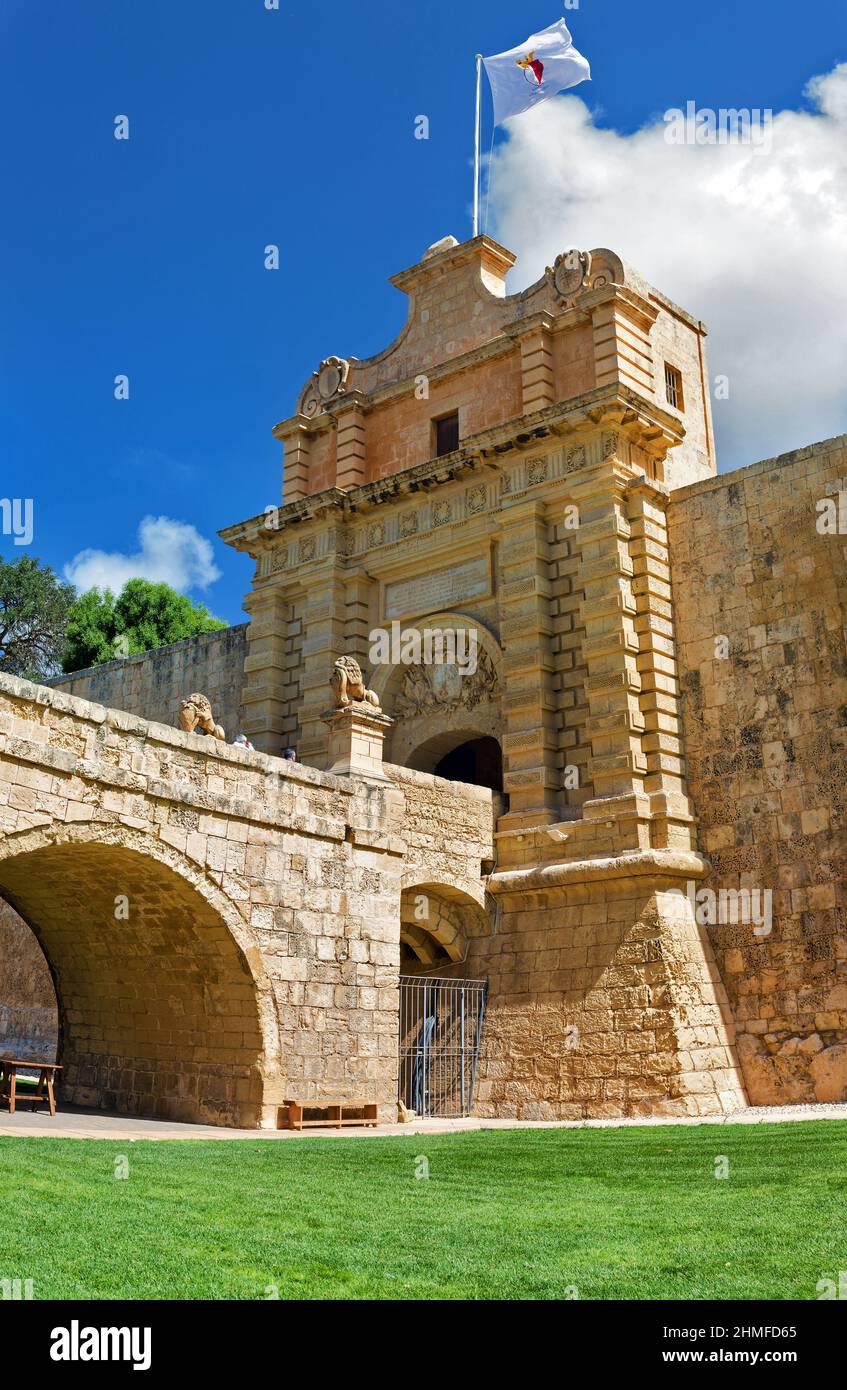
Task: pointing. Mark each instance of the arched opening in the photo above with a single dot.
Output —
(479, 761)
(439, 704)
(432, 932)
(437, 922)
(441, 1009)
(158, 1008)
(461, 756)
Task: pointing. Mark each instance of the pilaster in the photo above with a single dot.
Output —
(536, 347)
(617, 766)
(295, 470)
(623, 353)
(350, 448)
(264, 698)
(324, 640)
(531, 778)
(657, 667)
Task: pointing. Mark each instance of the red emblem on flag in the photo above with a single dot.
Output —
(533, 68)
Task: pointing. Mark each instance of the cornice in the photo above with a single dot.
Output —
(607, 407)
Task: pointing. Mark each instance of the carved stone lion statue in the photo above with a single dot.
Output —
(348, 684)
(195, 717)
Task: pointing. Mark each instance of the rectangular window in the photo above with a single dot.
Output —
(673, 387)
(446, 435)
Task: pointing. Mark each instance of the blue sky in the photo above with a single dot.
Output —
(250, 127)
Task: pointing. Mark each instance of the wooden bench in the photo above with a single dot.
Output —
(9, 1068)
(292, 1114)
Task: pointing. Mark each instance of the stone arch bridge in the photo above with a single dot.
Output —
(223, 928)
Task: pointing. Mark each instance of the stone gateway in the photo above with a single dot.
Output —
(654, 717)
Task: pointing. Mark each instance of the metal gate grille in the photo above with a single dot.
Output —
(440, 1031)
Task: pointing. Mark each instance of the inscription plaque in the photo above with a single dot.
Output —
(440, 589)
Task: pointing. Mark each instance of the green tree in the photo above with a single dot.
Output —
(34, 608)
(102, 627)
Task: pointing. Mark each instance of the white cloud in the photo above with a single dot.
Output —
(754, 242)
(171, 552)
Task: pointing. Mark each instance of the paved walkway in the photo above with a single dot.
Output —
(75, 1123)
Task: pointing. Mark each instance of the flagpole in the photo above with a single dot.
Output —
(476, 145)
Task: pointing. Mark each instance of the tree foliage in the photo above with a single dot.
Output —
(34, 608)
(145, 615)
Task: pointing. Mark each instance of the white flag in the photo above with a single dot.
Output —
(537, 69)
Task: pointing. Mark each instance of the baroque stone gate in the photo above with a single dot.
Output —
(659, 673)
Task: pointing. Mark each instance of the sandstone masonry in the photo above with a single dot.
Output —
(656, 711)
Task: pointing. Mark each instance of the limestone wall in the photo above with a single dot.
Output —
(151, 685)
(28, 1019)
(761, 613)
(399, 433)
(603, 996)
(447, 828)
(603, 999)
(674, 342)
(223, 927)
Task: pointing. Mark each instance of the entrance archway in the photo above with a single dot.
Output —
(437, 922)
(461, 755)
(439, 705)
(478, 761)
(441, 1009)
(159, 1010)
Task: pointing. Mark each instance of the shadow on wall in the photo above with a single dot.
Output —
(158, 1007)
(29, 1020)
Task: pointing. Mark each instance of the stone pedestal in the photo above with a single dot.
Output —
(356, 734)
(602, 964)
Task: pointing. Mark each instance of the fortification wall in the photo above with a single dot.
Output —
(760, 598)
(152, 684)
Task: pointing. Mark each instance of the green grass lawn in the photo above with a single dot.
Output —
(628, 1213)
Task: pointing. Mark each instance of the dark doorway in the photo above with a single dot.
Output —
(440, 1031)
(478, 761)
